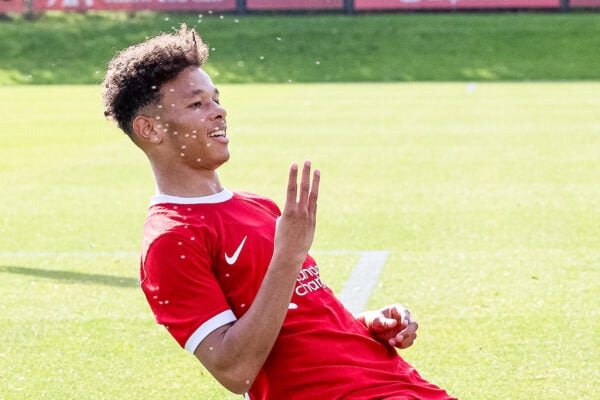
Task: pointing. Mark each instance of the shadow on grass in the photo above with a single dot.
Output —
(73, 277)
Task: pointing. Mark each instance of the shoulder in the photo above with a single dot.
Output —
(257, 200)
(170, 226)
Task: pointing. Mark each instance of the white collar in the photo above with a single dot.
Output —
(220, 197)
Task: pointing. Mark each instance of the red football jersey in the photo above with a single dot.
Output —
(203, 262)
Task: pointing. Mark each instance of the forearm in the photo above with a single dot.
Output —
(237, 353)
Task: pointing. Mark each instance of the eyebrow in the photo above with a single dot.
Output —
(196, 92)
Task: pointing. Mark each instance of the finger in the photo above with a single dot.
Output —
(381, 323)
(396, 341)
(410, 330)
(304, 185)
(292, 188)
(406, 337)
(402, 342)
(406, 341)
(314, 192)
(401, 314)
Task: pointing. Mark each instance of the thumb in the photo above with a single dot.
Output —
(381, 323)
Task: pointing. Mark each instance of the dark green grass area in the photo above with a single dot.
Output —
(74, 48)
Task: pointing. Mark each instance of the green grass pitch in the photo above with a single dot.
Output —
(486, 197)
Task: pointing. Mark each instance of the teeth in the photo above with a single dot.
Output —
(216, 133)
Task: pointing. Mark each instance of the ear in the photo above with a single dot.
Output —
(145, 130)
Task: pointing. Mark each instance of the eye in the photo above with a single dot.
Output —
(197, 104)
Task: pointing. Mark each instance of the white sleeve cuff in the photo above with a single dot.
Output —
(207, 327)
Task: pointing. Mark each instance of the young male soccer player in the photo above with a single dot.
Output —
(227, 273)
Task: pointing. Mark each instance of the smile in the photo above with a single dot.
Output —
(217, 133)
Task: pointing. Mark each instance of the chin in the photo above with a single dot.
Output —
(224, 159)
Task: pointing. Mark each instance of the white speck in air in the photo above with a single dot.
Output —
(183, 256)
(221, 16)
(157, 117)
(227, 275)
(160, 106)
(194, 131)
(243, 305)
(153, 87)
(172, 105)
(247, 381)
(236, 20)
(192, 238)
(166, 18)
(189, 209)
(207, 144)
(318, 62)
(198, 160)
(171, 90)
(194, 136)
(175, 133)
(261, 57)
(187, 135)
(211, 348)
(278, 39)
(182, 155)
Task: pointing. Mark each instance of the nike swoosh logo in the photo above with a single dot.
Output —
(231, 260)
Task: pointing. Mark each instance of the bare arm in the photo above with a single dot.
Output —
(235, 353)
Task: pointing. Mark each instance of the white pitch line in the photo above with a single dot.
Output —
(357, 289)
(354, 295)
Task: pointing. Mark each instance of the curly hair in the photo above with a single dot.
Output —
(135, 75)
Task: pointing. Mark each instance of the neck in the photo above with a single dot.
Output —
(186, 183)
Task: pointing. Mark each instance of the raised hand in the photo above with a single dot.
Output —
(296, 226)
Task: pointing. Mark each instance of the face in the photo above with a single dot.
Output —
(191, 120)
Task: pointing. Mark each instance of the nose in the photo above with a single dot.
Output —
(219, 111)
